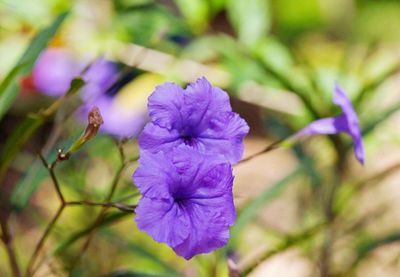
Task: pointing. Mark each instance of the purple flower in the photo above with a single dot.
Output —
(346, 122)
(119, 121)
(199, 116)
(99, 77)
(122, 118)
(54, 71)
(187, 200)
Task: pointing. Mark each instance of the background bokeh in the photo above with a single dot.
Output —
(307, 210)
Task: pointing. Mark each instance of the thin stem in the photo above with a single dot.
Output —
(328, 206)
(50, 168)
(110, 195)
(120, 206)
(7, 240)
(270, 147)
(43, 239)
(288, 242)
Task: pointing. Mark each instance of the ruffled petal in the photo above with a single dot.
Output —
(155, 138)
(224, 135)
(213, 181)
(163, 220)
(201, 102)
(201, 175)
(165, 105)
(155, 175)
(209, 230)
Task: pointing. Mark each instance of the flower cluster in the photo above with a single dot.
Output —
(185, 172)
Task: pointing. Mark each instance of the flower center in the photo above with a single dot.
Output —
(188, 140)
(180, 201)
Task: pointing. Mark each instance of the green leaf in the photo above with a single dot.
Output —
(372, 124)
(270, 51)
(368, 245)
(9, 86)
(251, 19)
(29, 183)
(17, 139)
(30, 124)
(139, 250)
(250, 210)
(196, 12)
(107, 220)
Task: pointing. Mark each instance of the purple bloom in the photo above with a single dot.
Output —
(99, 77)
(199, 116)
(54, 71)
(187, 200)
(119, 121)
(346, 122)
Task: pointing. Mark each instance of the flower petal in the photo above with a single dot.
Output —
(99, 77)
(155, 175)
(324, 126)
(344, 102)
(165, 105)
(201, 102)
(54, 71)
(155, 138)
(163, 220)
(209, 230)
(119, 122)
(225, 135)
(351, 121)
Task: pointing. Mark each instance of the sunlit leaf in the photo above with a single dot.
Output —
(29, 125)
(137, 249)
(105, 221)
(251, 19)
(9, 87)
(196, 12)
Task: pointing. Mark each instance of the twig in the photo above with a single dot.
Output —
(50, 169)
(288, 242)
(104, 209)
(120, 206)
(270, 147)
(49, 228)
(328, 206)
(7, 240)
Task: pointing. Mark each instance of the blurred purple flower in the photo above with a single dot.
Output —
(187, 200)
(118, 121)
(99, 78)
(57, 67)
(54, 71)
(346, 122)
(199, 116)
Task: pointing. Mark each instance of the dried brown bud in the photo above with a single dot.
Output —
(94, 121)
(94, 117)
